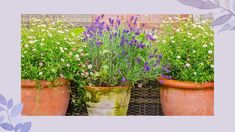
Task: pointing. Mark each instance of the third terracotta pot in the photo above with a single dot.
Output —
(180, 98)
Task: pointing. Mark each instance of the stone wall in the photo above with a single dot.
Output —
(150, 20)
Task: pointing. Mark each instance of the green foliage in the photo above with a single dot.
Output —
(188, 50)
(50, 50)
(120, 53)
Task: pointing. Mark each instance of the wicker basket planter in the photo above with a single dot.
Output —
(145, 100)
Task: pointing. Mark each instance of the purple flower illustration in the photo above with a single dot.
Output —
(12, 111)
(223, 20)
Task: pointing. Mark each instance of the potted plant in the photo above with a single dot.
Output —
(51, 56)
(120, 54)
(187, 83)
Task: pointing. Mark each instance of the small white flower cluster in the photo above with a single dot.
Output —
(187, 65)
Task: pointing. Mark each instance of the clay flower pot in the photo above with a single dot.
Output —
(187, 98)
(108, 101)
(45, 98)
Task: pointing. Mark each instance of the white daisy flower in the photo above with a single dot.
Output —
(73, 34)
(50, 35)
(210, 51)
(61, 75)
(212, 66)
(40, 64)
(26, 46)
(188, 65)
(164, 41)
(43, 25)
(40, 73)
(59, 31)
(62, 59)
(89, 66)
(68, 65)
(178, 57)
(204, 46)
(72, 43)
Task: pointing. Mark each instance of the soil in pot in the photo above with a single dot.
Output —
(108, 101)
(181, 98)
(44, 98)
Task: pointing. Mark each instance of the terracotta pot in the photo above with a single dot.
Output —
(187, 98)
(108, 101)
(45, 98)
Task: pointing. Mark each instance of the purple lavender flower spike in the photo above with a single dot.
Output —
(150, 37)
(122, 42)
(146, 67)
(165, 76)
(151, 55)
(137, 33)
(110, 36)
(107, 27)
(138, 60)
(97, 19)
(142, 25)
(135, 21)
(98, 43)
(115, 34)
(110, 20)
(118, 22)
(141, 45)
(132, 18)
(125, 31)
(124, 79)
(160, 56)
(123, 52)
(166, 69)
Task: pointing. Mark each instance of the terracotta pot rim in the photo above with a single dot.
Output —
(185, 84)
(26, 83)
(106, 88)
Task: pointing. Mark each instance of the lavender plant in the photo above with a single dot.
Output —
(188, 50)
(120, 52)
